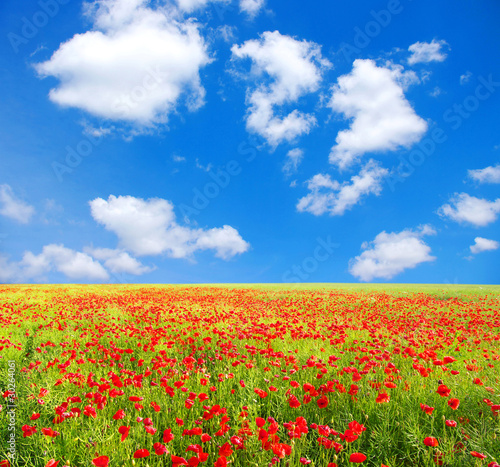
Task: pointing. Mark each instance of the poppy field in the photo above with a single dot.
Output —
(249, 376)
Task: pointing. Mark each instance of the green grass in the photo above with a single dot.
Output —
(337, 324)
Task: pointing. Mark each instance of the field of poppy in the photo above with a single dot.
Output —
(249, 376)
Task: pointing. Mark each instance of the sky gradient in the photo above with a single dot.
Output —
(198, 141)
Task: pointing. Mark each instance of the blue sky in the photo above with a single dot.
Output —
(198, 141)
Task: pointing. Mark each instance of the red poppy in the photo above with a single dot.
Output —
(160, 449)
(454, 403)
(167, 435)
(101, 461)
(353, 390)
(443, 390)
(205, 438)
(478, 455)
(428, 410)
(261, 393)
(430, 441)
(135, 398)
(176, 461)
(155, 406)
(357, 458)
(293, 402)
(349, 436)
(356, 427)
(52, 463)
(221, 462)
(49, 432)
(140, 453)
(120, 414)
(89, 411)
(124, 431)
(225, 450)
(382, 398)
(322, 402)
(28, 430)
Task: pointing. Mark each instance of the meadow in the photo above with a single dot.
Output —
(250, 375)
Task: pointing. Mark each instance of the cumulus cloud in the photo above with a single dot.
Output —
(13, 207)
(285, 69)
(293, 159)
(425, 52)
(327, 195)
(464, 208)
(118, 261)
(73, 264)
(392, 253)
(382, 118)
(149, 227)
(487, 175)
(136, 65)
(483, 244)
(252, 7)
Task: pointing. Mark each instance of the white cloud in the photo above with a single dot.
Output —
(73, 264)
(148, 227)
(226, 242)
(293, 159)
(382, 118)
(465, 78)
(118, 261)
(13, 207)
(487, 175)
(252, 7)
(330, 196)
(483, 244)
(390, 254)
(425, 52)
(287, 69)
(464, 208)
(137, 64)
